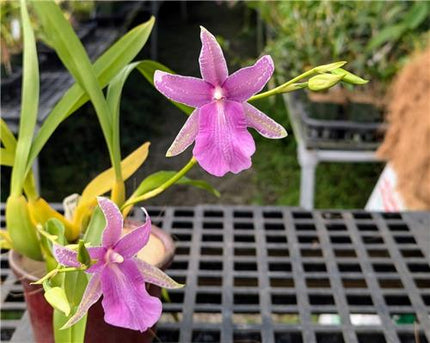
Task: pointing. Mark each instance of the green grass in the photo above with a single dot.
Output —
(338, 185)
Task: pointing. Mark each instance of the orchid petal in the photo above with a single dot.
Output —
(184, 89)
(213, 66)
(65, 256)
(156, 276)
(265, 125)
(131, 243)
(125, 299)
(96, 252)
(186, 136)
(246, 82)
(223, 144)
(97, 267)
(114, 222)
(92, 293)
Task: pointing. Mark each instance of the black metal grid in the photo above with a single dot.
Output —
(267, 274)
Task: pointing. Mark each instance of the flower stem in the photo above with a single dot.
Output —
(286, 87)
(133, 200)
(57, 270)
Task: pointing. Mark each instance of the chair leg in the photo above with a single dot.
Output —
(308, 163)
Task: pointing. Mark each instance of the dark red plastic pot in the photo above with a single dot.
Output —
(97, 330)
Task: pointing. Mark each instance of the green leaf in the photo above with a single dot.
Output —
(21, 228)
(329, 67)
(148, 68)
(7, 137)
(416, 15)
(105, 68)
(7, 157)
(83, 254)
(349, 77)
(55, 227)
(114, 101)
(323, 81)
(391, 33)
(56, 297)
(199, 184)
(29, 103)
(74, 57)
(75, 334)
(157, 179)
(93, 235)
(165, 295)
(74, 286)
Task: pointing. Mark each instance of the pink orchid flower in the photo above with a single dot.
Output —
(118, 275)
(219, 123)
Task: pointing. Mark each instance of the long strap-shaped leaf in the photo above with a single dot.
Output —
(7, 137)
(19, 224)
(29, 103)
(105, 68)
(114, 101)
(7, 158)
(73, 55)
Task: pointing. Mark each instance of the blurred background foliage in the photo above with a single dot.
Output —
(10, 37)
(375, 37)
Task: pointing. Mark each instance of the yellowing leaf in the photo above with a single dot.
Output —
(5, 241)
(56, 297)
(102, 183)
(41, 212)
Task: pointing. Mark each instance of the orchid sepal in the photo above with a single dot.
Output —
(156, 276)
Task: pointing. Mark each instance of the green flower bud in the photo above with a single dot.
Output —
(349, 77)
(83, 255)
(329, 67)
(323, 81)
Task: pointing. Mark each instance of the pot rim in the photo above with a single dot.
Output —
(165, 238)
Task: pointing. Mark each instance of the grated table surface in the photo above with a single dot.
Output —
(278, 274)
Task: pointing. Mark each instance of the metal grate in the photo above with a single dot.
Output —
(277, 274)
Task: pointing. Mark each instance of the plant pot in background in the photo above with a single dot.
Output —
(159, 251)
